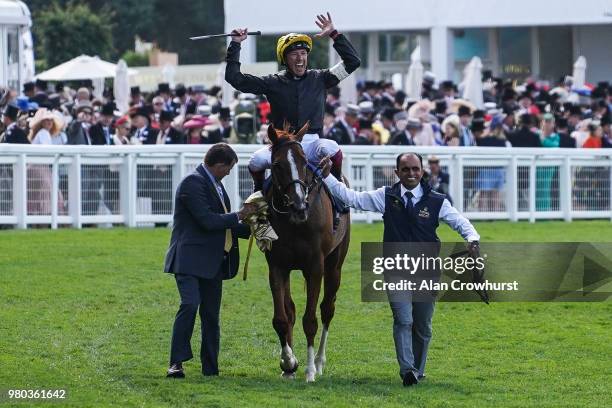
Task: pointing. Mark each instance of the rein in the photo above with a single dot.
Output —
(316, 178)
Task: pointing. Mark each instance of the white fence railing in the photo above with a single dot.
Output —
(134, 185)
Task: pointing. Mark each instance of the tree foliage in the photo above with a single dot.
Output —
(65, 32)
(167, 23)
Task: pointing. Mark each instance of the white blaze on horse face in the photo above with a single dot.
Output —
(295, 175)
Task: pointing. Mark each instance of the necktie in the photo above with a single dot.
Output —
(228, 232)
(409, 196)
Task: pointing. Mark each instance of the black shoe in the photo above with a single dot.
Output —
(176, 371)
(410, 378)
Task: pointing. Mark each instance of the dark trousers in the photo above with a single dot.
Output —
(204, 294)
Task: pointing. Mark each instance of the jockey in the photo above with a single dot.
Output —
(296, 95)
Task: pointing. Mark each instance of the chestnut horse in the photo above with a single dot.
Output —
(302, 216)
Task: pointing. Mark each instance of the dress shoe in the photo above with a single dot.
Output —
(410, 378)
(176, 371)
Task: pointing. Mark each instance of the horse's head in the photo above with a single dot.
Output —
(289, 173)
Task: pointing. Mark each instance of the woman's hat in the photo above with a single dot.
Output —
(43, 114)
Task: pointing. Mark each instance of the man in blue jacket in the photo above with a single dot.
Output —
(203, 252)
(414, 221)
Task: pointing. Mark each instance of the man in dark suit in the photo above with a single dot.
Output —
(142, 122)
(438, 180)
(524, 137)
(167, 133)
(101, 133)
(12, 132)
(343, 131)
(203, 252)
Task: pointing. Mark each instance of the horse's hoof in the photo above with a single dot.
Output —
(287, 366)
(320, 365)
(310, 377)
(288, 376)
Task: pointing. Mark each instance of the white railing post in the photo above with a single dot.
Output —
(124, 189)
(369, 183)
(458, 170)
(54, 190)
(132, 194)
(74, 188)
(512, 196)
(565, 188)
(532, 189)
(20, 192)
(610, 188)
(178, 174)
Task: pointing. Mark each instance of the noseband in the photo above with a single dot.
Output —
(282, 189)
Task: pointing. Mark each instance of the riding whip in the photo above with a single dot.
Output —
(205, 37)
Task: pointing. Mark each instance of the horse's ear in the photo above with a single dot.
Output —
(272, 134)
(286, 126)
(300, 134)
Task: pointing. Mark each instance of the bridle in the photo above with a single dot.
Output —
(282, 189)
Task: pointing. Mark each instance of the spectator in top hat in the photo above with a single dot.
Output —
(333, 97)
(387, 97)
(78, 130)
(406, 137)
(366, 134)
(465, 117)
(524, 137)
(12, 133)
(343, 131)
(183, 103)
(565, 140)
(370, 93)
(144, 133)
(225, 124)
(163, 90)
(428, 86)
(101, 132)
(167, 133)
(29, 89)
(135, 96)
(437, 179)
(386, 118)
(575, 116)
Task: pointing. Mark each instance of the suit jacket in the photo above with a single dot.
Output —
(76, 134)
(524, 138)
(198, 232)
(96, 133)
(401, 138)
(14, 135)
(147, 136)
(341, 134)
(173, 136)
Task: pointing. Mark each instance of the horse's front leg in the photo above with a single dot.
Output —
(278, 282)
(313, 276)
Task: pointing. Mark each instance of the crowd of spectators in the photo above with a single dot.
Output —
(532, 114)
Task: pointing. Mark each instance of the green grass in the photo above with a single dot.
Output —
(91, 312)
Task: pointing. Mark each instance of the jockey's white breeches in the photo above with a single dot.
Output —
(314, 147)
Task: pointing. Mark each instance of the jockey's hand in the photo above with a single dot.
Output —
(239, 34)
(325, 165)
(247, 210)
(325, 24)
(474, 249)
